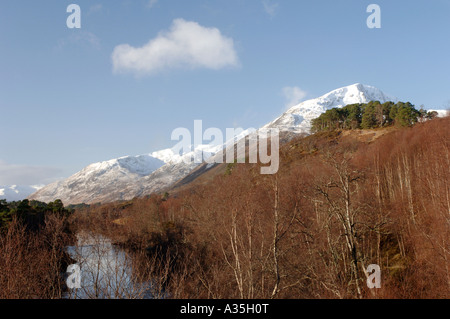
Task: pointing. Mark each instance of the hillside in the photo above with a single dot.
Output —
(129, 177)
(342, 200)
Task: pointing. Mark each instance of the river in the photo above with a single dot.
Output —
(107, 271)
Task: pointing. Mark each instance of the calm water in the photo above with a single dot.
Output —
(106, 271)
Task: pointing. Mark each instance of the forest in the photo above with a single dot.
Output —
(33, 258)
(343, 198)
(371, 115)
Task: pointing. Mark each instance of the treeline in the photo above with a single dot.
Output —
(31, 214)
(33, 258)
(336, 205)
(370, 115)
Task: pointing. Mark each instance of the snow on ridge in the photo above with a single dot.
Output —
(171, 156)
(441, 113)
(167, 155)
(127, 177)
(298, 118)
(141, 165)
(17, 192)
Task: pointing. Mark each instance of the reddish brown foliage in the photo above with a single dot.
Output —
(336, 205)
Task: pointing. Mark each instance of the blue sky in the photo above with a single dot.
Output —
(66, 103)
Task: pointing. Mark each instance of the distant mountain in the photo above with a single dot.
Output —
(16, 193)
(440, 113)
(123, 178)
(298, 118)
(129, 177)
(102, 182)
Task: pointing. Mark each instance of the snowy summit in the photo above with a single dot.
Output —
(128, 177)
(298, 118)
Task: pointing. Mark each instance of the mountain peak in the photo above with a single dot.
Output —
(127, 177)
(17, 192)
(298, 118)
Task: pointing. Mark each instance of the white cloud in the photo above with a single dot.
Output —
(270, 7)
(293, 95)
(14, 174)
(186, 45)
(151, 3)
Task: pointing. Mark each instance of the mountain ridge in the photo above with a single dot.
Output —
(133, 176)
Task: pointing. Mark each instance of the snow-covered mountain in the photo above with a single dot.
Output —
(15, 192)
(129, 177)
(102, 182)
(298, 118)
(123, 178)
(441, 113)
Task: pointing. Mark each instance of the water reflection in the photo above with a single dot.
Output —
(106, 271)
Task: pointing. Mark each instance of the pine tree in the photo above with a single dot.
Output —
(368, 119)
